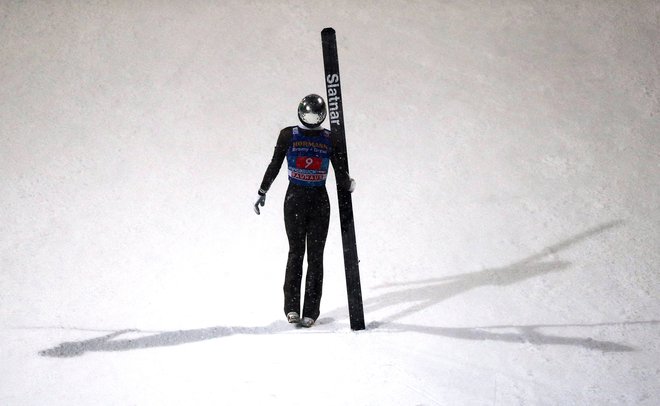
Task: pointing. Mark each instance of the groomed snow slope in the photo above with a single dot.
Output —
(507, 205)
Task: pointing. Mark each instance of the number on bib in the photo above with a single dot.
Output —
(306, 162)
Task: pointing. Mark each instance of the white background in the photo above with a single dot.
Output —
(507, 204)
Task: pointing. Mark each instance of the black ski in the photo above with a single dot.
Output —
(336, 115)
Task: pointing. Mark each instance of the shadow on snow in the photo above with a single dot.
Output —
(110, 342)
(407, 299)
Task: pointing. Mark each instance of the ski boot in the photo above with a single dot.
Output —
(293, 317)
(307, 322)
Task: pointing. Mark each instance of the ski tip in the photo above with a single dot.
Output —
(328, 31)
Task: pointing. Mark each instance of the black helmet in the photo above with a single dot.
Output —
(311, 110)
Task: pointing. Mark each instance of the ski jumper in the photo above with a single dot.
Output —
(306, 208)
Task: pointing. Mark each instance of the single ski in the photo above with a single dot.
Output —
(336, 116)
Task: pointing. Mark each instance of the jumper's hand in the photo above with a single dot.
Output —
(260, 202)
(351, 188)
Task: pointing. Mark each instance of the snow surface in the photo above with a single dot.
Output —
(507, 205)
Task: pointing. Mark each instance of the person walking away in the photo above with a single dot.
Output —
(309, 149)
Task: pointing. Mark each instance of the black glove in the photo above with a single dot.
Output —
(261, 201)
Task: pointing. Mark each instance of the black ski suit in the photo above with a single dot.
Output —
(306, 213)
